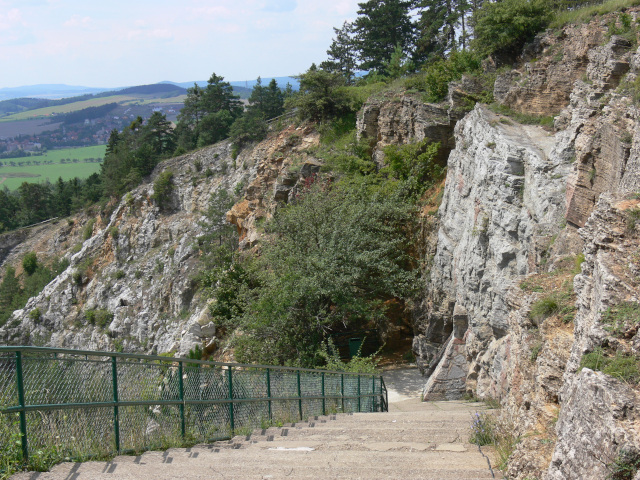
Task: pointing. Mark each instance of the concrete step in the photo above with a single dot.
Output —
(419, 440)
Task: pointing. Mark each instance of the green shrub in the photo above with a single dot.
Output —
(162, 188)
(633, 215)
(435, 78)
(87, 233)
(30, 263)
(119, 274)
(505, 27)
(35, 314)
(113, 231)
(100, 317)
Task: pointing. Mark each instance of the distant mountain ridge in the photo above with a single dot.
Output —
(60, 91)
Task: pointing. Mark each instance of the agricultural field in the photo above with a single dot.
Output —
(13, 176)
(70, 107)
(26, 127)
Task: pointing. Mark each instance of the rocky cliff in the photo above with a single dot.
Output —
(522, 208)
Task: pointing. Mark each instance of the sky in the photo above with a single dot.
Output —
(115, 43)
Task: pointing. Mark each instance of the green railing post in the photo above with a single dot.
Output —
(342, 390)
(116, 419)
(359, 408)
(324, 404)
(373, 392)
(230, 381)
(183, 426)
(299, 396)
(23, 415)
(269, 393)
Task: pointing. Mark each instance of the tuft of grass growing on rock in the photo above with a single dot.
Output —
(621, 365)
(543, 308)
(620, 318)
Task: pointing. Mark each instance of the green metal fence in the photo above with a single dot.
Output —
(101, 402)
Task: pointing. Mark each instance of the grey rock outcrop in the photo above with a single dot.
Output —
(131, 286)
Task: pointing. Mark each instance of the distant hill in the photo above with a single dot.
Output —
(155, 89)
(50, 91)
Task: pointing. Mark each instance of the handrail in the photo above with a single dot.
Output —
(98, 353)
(119, 402)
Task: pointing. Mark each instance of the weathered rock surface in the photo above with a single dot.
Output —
(138, 268)
(514, 199)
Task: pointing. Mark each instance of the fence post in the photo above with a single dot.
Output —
(230, 381)
(342, 390)
(116, 419)
(269, 393)
(374, 408)
(359, 408)
(324, 404)
(299, 396)
(23, 415)
(183, 426)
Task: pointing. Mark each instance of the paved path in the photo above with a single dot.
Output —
(415, 440)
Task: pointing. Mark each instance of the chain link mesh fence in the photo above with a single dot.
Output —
(65, 404)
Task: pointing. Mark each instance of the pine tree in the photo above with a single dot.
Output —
(343, 56)
(380, 27)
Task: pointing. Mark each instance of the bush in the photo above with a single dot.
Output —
(100, 317)
(30, 263)
(504, 27)
(35, 314)
(625, 466)
(246, 129)
(436, 76)
(87, 233)
(312, 277)
(162, 188)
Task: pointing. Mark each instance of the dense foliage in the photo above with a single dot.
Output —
(16, 290)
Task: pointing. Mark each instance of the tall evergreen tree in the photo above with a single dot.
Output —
(208, 113)
(343, 55)
(381, 26)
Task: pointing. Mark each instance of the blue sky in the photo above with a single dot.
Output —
(111, 43)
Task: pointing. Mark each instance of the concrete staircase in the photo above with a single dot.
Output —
(413, 441)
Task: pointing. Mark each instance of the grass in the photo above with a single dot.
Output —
(622, 317)
(523, 118)
(15, 176)
(621, 365)
(585, 14)
(487, 430)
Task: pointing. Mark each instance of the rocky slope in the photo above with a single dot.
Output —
(522, 208)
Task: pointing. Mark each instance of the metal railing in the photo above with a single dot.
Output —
(99, 403)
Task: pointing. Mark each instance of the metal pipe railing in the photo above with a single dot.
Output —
(152, 398)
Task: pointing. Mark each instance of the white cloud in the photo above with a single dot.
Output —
(79, 21)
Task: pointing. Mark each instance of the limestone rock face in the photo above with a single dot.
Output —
(597, 421)
(282, 164)
(543, 82)
(396, 120)
(520, 206)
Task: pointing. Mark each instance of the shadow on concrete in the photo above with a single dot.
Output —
(403, 383)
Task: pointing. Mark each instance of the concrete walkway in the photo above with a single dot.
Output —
(414, 440)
